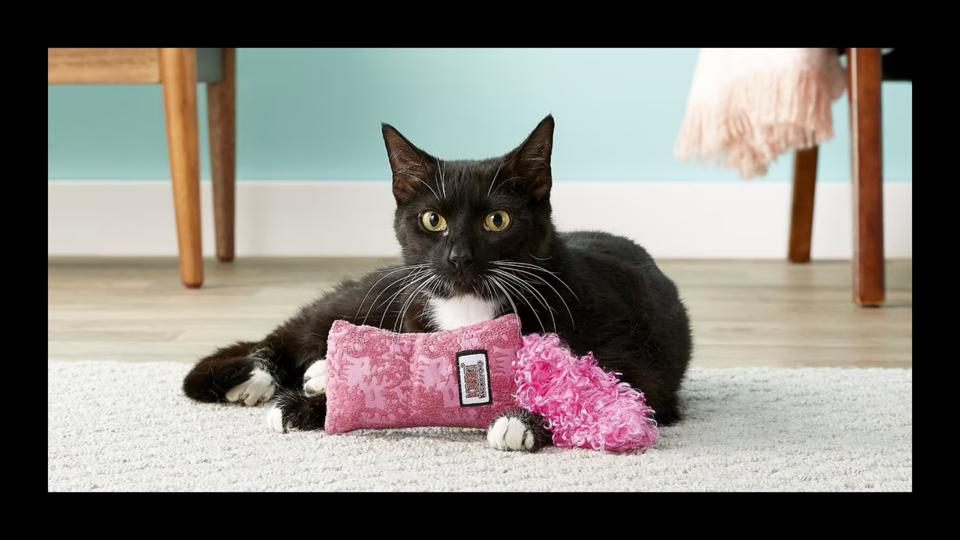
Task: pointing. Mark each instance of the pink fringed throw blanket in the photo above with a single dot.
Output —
(748, 106)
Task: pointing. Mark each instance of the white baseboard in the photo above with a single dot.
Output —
(741, 219)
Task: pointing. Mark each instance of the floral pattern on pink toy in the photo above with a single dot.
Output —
(381, 379)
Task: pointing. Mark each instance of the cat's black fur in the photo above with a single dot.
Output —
(605, 293)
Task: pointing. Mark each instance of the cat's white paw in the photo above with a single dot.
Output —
(510, 433)
(255, 390)
(315, 379)
(275, 419)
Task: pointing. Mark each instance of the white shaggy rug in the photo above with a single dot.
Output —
(128, 427)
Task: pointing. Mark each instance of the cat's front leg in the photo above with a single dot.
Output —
(518, 429)
(315, 379)
(294, 410)
(305, 410)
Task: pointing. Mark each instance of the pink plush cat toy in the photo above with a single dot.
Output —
(584, 406)
(468, 376)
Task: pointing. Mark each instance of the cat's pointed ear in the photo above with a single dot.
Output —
(410, 165)
(531, 160)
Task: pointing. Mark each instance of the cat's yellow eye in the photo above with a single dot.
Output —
(496, 221)
(433, 221)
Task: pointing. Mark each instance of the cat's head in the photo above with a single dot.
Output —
(462, 218)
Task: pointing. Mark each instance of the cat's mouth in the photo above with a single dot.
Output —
(465, 282)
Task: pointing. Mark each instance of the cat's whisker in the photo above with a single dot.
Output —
(496, 282)
(389, 302)
(547, 283)
(520, 282)
(394, 271)
(496, 294)
(418, 179)
(533, 309)
(485, 287)
(538, 268)
(555, 291)
(443, 183)
(398, 326)
(540, 298)
(494, 181)
(523, 297)
(410, 275)
(525, 265)
(526, 286)
(406, 281)
(431, 292)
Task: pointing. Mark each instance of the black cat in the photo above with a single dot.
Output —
(477, 241)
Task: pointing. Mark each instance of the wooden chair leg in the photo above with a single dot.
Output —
(801, 211)
(221, 108)
(178, 73)
(866, 137)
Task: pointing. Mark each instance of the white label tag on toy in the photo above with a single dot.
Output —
(473, 370)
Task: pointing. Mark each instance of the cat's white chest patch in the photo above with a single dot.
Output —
(460, 311)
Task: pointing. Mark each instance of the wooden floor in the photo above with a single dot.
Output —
(744, 313)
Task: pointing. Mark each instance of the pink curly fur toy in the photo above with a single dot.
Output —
(583, 405)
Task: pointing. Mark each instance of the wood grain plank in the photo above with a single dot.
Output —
(104, 65)
(743, 313)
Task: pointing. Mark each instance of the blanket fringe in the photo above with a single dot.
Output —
(761, 116)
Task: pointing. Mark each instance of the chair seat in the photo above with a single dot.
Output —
(121, 65)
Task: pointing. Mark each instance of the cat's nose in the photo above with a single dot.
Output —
(460, 256)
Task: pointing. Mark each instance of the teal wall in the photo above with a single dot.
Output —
(315, 114)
